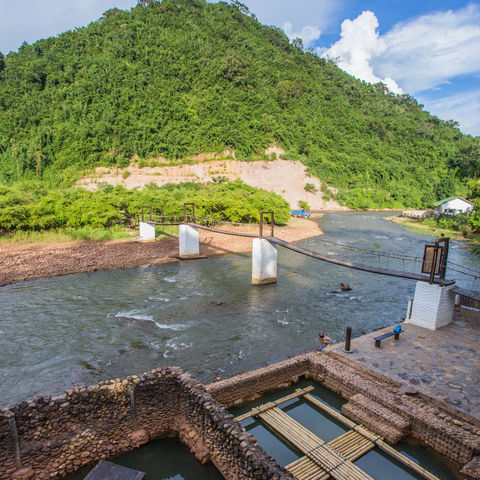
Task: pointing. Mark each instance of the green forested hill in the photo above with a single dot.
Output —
(180, 77)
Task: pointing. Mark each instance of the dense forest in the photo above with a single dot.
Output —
(47, 209)
(175, 78)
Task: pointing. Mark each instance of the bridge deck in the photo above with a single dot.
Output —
(318, 256)
(466, 293)
(356, 266)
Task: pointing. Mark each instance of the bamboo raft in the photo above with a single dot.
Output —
(350, 445)
(378, 441)
(323, 460)
(266, 406)
(330, 461)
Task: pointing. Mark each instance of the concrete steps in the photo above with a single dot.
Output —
(391, 426)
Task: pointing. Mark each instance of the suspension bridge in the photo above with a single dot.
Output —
(429, 269)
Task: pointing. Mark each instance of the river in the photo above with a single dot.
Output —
(203, 315)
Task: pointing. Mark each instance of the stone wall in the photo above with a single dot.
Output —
(251, 385)
(57, 436)
(436, 425)
(449, 432)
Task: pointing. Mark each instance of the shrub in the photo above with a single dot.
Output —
(77, 207)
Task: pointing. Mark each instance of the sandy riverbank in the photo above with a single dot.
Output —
(19, 262)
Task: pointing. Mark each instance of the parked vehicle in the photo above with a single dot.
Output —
(300, 213)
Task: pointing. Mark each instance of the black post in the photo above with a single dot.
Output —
(185, 212)
(434, 261)
(348, 338)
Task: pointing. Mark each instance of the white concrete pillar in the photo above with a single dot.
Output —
(433, 306)
(264, 262)
(409, 310)
(147, 231)
(188, 241)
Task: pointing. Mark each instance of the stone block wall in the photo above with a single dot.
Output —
(251, 385)
(57, 436)
(433, 306)
(436, 425)
(234, 451)
(7, 449)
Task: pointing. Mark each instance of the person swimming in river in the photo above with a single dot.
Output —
(324, 341)
(344, 287)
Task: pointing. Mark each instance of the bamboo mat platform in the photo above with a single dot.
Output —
(350, 445)
(377, 440)
(266, 406)
(326, 460)
(329, 460)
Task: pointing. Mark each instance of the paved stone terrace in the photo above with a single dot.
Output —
(444, 364)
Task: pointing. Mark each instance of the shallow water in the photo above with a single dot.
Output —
(82, 328)
(375, 463)
(165, 459)
(168, 459)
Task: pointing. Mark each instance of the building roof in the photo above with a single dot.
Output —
(448, 199)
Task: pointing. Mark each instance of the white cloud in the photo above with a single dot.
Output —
(417, 55)
(463, 107)
(430, 50)
(309, 34)
(298, 13)
(31, 20)
(359, 44)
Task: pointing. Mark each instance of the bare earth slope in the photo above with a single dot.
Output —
(285, 177)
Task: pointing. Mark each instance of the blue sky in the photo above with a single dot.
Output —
(428, 49)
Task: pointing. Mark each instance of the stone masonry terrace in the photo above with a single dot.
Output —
(443, 364)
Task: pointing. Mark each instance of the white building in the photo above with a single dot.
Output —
(453, 206)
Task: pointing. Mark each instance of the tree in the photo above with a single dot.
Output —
(298, 43)
(241, 6)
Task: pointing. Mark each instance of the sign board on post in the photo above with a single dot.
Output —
(429, 257)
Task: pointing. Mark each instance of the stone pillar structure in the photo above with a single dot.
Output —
(147, 231)
(433, 306)
(188, 241)
(264, 262)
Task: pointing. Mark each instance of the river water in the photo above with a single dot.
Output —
(203, 315)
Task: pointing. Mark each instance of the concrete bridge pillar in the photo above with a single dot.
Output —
(433, 306)
(188, 241)
(147, 231)
(264, 262)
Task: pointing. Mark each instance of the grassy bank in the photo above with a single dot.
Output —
(429, 227)
(69, 235)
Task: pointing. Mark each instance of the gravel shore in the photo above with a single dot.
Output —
(20, 262)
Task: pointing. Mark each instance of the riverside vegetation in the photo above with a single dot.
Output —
(175, 78)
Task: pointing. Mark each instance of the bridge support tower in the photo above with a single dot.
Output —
(433, 306)
(264, 262)
(188, 241)
(147, 231)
